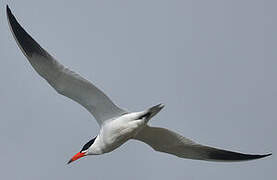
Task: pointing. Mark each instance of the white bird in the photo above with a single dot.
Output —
(116, 125)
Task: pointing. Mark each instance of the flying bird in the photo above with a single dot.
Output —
(116, 124)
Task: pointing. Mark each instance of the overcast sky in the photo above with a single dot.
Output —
(212, 63)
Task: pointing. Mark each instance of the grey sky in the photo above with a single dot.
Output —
(212, 63)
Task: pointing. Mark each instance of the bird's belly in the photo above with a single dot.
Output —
(118, 135)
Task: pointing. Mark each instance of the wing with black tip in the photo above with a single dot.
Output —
(164, 140)
(63, 80)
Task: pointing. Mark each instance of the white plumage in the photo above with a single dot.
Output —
(116, 125)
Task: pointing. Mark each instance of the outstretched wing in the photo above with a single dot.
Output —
(63, 80)
(167, 141)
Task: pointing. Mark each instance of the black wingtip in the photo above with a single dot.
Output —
(265, 155)
(8, 10)
(234, 156)
(252, 157)
(27, 43)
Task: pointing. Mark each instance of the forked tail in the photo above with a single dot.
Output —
(152, 111)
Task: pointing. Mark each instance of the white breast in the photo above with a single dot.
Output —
(118, 131)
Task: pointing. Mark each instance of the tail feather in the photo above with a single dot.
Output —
(153, 111)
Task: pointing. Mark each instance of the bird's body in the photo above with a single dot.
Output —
(115, 132)
(116, 124)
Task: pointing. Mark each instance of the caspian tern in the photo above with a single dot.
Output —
(116, 125)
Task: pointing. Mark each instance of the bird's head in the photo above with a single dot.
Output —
(84, 151)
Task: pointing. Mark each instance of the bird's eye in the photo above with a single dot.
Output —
(87, 145)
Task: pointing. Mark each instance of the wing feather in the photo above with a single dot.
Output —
(63, 80)
(167, 141)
